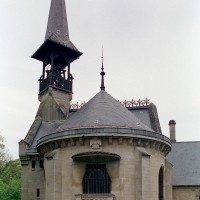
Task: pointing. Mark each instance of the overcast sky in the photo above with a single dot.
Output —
(151, 49)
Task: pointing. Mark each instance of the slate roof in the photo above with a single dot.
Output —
(46, 128)
(103, 111)
(148, 115)
(143, 115)
(57, 26)
(185, 158)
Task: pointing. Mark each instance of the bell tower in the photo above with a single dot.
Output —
(56, 53)
(55, 93)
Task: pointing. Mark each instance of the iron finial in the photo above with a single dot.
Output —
(102, 74)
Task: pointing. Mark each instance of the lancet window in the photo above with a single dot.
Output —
(161, 184)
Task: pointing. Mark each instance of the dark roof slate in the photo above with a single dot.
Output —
(57, 26)
(185, 159)
(103, 111)
(46, 128)
(143, 115)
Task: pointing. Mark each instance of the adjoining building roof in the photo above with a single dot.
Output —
(143, 115)
(45, 128)
(103, 111)
(185, 159)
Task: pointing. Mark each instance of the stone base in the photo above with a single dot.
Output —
(95, 196)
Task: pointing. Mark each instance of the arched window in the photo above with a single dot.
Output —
(161, 184)
(96, 179)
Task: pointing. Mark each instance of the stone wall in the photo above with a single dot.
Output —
(32, 180)
(133, 177)
(186, 193)
(54, 105)
(168, 180)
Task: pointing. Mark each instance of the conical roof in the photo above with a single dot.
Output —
(57, 37)
(103, 111)
(57, 27)
(57, 22)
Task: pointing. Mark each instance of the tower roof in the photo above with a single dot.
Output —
(103, 111)
(57, 36)
(57, 22)
(57, 27)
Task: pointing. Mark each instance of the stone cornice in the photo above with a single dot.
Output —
(130, 137)
(103, 131)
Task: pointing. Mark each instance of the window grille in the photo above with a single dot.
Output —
(96, 179)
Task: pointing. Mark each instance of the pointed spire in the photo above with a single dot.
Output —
(57, 27)
(57, 37)
(57, 52)
(102, 74)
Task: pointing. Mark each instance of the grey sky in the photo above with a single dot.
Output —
(151, 49)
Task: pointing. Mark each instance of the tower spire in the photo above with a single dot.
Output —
(102, 74)
(57, 27)
(57, 52)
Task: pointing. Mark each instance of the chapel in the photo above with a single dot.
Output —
(104, 149)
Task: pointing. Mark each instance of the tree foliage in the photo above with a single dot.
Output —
(9, 175)
(3, 153)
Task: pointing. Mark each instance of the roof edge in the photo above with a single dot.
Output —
(109, 130)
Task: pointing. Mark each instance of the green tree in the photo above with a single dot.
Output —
(3, 153)
(10, 171)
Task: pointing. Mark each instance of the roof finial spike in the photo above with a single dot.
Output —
(102, 73)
